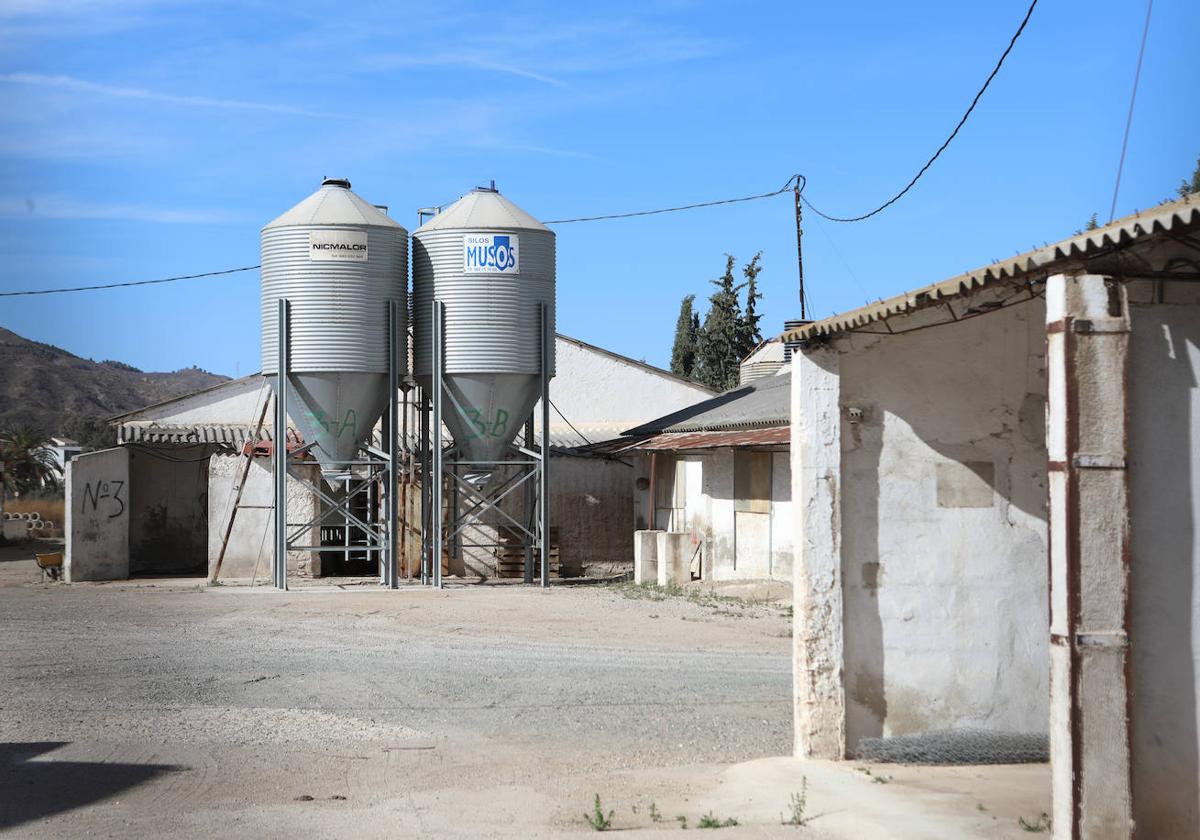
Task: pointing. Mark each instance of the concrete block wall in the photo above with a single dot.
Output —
(645, 557)
(922, 596)
(251, 542)
(674, 558)
(943, 475)
(97, 508)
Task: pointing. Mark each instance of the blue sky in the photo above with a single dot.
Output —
(146, 139)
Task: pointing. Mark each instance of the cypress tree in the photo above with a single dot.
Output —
(749, 335)
(719, 337)
(683, 352)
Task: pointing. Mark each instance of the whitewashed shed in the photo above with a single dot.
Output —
(997, 526)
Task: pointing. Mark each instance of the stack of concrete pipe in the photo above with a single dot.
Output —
(34, 525)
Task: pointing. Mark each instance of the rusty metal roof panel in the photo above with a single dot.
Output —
(678, 441)
(1166, 217)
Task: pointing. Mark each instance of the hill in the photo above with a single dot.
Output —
(58, 392)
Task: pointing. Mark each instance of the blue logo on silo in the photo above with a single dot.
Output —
(490, 254)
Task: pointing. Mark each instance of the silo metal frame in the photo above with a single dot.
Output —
(379, 466)
(439, 463)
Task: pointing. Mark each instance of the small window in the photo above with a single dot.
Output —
(752, 482)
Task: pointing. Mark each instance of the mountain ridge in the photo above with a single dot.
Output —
(51, 389)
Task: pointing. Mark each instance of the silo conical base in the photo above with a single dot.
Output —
(484, 411)
(335, 412)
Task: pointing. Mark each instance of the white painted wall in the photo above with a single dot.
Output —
(943, 489)
(730, 546)
(1164, 465)
(97, 513)
(236, 402)
(252, 541)
(603, 394)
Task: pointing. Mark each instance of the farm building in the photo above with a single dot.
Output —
(720, 472)
(164, 501)
(956, 448)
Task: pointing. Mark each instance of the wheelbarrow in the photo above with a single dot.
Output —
(50, 564)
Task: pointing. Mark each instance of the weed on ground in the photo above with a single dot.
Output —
(797, 805)
(597, 819)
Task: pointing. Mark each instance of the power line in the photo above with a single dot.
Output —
(1137, 75)
(942, 148)
(569, 423)
(133, 283)
(780, 191)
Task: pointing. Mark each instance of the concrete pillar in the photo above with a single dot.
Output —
(674, 557)
(820, 702)
(1087, 339)
(645, 556)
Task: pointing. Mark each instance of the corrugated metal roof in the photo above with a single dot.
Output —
(1168, 217)
(763, 402)
(234, 436)
(677, 441)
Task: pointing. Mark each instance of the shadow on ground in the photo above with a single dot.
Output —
(35, 789)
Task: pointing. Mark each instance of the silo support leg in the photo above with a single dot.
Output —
(280, 450)
(391, 565)
(543, 477)
(435, 434)
(531, 514)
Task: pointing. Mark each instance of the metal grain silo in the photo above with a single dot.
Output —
(492, 265)
(338, 260)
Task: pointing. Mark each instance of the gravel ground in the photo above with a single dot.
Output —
(169, 709)
(204, 697)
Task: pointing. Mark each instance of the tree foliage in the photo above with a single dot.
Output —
(28, 465)
(749, 335)
(719, 335)
(729, 332)
(1188, 187)
(687, 333)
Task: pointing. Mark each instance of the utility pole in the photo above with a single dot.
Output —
(800, 254)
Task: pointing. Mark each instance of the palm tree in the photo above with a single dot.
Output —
(26, 463)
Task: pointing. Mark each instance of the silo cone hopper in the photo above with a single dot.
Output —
(484, 411)
(335, 412)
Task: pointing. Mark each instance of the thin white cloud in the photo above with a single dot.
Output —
(538, 150)
(468, 60)
(71, 83)
(64, 207)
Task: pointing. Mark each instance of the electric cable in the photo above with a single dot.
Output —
(132, 283)
(799, 182)
(787, 185)
(944, 145)
(1137, 75)
(569, 423)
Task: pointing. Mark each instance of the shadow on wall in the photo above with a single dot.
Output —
(1163, 456)
(35, 790)
(168, 509)
(943, 527)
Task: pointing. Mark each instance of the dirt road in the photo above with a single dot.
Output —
(172, 709)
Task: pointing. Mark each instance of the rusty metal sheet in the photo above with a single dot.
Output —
(679, 441)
